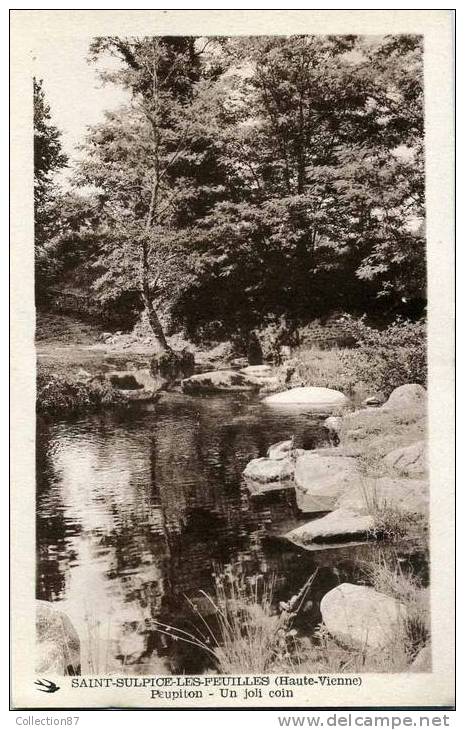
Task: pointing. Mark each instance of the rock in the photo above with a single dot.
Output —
(58, 645)
(170, 367)
(403, 495)
(137, 384)
(258, 371)
(333, 425)
(423, 660)
(373, 401)
(281, 449)
(105, 336)
(258, 488)
(239, 362)
(320, 480)
(218, 381)
(311, 397)
(265, 470)
(408, 460)
(359, 616)
(83, 375)
(406, 396)
(267, 378)
(342, 524)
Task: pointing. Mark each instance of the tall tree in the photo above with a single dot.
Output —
(139, 160)
(48, 159)
(322, 144)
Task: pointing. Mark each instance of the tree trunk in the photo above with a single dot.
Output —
(155, 324)
(149, 308)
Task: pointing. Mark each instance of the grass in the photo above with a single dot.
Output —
(327, 369)
(247, 634)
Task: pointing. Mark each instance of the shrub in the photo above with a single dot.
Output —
(386, 359)
(59, 395)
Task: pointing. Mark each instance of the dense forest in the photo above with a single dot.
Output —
(245, 180)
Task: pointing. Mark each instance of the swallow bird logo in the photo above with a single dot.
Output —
(45, 685)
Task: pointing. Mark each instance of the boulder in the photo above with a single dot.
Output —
(320, 480)
(281, 449)
(310, 397)
(411, 395)
(408, 460)
(267, 378)
(58, 649)
(342, 524)
(258, 371)
(219, 381)
(404, 495)
(359, 616)
(265, 470)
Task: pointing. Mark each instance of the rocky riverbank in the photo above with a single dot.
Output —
(372, 486)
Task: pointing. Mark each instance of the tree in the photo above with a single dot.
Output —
(139, 160)
(322, 148)
(48, 159)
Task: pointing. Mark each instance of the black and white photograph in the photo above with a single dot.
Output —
(232, 385)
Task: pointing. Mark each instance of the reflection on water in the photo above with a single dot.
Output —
(136, 508)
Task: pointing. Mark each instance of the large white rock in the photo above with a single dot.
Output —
(266, 470)
(320, 480)
(360, 616)
(58, 649)
(410, 395)
(342, 524)
(403, 495)
(219, 381)
(308, 396)
(408, 460)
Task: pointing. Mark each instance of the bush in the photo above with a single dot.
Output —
(58, 395)
(386, 359)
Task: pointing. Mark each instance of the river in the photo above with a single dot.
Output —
(137, 509)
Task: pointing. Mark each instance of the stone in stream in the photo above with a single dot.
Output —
(408, 460)
(320, 480)
(219, 381)
(58, 649)
(265, 375)
(361, 617)
(402, 494)
(342, 524)
(265, 470)
(410, 395)
(308, 397)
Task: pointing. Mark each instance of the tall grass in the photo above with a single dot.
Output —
(247, 633)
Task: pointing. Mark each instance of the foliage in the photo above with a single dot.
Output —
(249, 179)
(58, 395)
(48, 159)
(388, 358)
